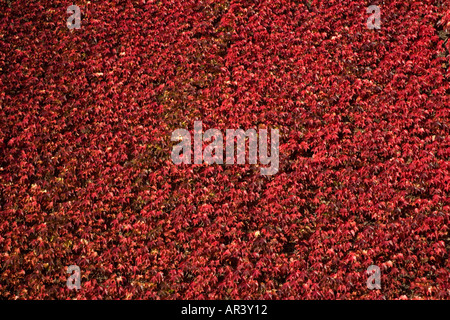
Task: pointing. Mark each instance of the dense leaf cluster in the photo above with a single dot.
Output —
(86, 177)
